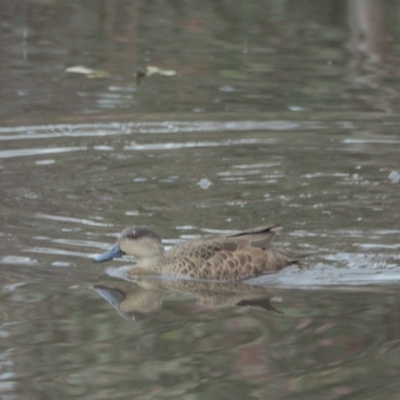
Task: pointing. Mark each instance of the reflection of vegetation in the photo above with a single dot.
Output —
(275, 54)
(80, 347)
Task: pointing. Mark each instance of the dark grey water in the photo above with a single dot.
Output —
(277, 113)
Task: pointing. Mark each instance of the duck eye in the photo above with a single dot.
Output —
(133, 235)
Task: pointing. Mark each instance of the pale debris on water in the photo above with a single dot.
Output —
(90, 73)
(204, 183)
(394, 176)
(151, 70)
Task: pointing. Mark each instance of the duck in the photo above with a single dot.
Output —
(225, 257)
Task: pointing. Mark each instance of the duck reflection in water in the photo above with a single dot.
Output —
(142, 301)
(231, 257)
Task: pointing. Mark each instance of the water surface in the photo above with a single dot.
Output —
(277, 113)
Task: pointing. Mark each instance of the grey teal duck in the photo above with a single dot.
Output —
(231, 257)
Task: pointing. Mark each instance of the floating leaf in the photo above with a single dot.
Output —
(96, 74)
(79, 70)
(151, 70)
(90, 73)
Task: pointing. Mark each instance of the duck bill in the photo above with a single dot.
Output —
(114, 252)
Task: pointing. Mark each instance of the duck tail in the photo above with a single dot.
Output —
(296, 257)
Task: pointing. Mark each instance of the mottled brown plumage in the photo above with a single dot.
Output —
(217, 257)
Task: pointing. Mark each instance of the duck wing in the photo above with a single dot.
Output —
(260, 237)
(208, 246)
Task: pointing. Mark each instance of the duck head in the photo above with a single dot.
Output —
(138, 241)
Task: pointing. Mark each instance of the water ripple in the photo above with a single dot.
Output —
(117, 128)
(32, 152)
